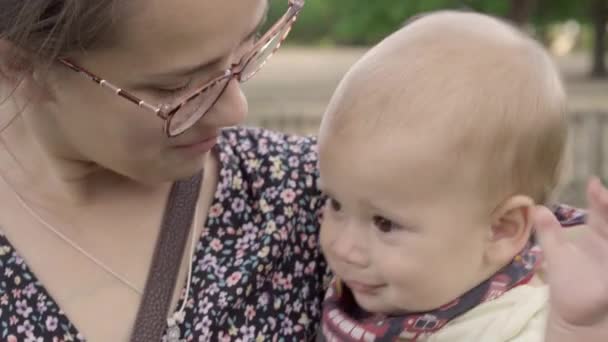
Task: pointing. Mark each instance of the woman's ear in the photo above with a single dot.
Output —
(511, 229)
(13, 64)
(19, 75)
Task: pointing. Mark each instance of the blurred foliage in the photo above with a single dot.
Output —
(364, 22)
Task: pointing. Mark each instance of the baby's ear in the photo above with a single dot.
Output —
(511, 229)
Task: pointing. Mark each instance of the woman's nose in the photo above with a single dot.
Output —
(230, 109)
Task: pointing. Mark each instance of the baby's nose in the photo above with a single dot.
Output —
(351, 250)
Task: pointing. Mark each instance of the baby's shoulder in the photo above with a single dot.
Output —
(518, 315)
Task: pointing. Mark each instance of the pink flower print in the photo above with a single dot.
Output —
(222, 302)
(250, 312)
(263, 299)
(288, 195)
(238, 205)
(51, 323)
(216, 210)
(223, 337)
(312, 242)
(295, 148)
(23, 309)
(294, 161)
(310, 269)
(258, 183)
(297, 306)
(298, 269)
(32, 338)
(283, 234)
(309, 181)
(30, 290)
(205, 323)
(234, 278)
(272, 322)
(248, 333)
(26, 328)
(287, 283)
(16, 293)
(18, 260)
(41, 307)
(216, 245)
(204, 305)
(227, 218)
(287, 327)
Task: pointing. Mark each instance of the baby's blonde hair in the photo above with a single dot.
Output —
(489, 91)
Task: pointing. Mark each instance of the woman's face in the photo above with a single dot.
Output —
(162, 49)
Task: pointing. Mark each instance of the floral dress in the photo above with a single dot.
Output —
(258, 273)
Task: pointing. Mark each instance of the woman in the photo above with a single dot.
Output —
(85, 173)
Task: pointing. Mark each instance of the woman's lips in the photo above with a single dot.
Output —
(201, 146)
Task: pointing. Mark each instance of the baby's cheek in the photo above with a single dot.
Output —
(397, 266)
(327, 236)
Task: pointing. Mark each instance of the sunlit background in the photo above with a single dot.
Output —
(291, 92)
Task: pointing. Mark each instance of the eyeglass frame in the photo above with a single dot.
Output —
(166, 112)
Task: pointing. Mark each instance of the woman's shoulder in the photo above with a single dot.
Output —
(273, 156)
(264, 143)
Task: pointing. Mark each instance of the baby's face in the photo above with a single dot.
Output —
(403, 147)
(402, 229)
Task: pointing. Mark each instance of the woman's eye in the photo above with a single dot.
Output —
(245, 48)
(172, 91)
(256, 37)
(335, 205)
(384, 225)
(250, 42)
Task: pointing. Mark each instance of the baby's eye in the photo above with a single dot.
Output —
(384, 225)
(334, 205)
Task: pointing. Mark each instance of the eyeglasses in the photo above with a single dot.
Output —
(186, 112)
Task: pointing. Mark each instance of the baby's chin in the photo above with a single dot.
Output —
(378, 305)
(391, 307)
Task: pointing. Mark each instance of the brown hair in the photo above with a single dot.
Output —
(46, 29)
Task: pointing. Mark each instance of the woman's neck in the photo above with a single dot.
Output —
(48, 173)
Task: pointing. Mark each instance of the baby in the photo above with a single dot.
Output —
(433, 152)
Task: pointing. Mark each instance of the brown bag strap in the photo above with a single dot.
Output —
(151, 318)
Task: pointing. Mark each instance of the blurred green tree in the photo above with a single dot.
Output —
(365, 22)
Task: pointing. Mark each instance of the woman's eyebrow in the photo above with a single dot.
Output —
(190, 69)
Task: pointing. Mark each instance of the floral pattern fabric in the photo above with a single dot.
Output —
(258, 273)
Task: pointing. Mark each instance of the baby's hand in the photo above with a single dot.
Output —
(577, 272)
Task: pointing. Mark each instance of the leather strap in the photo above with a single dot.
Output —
(151, 319)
